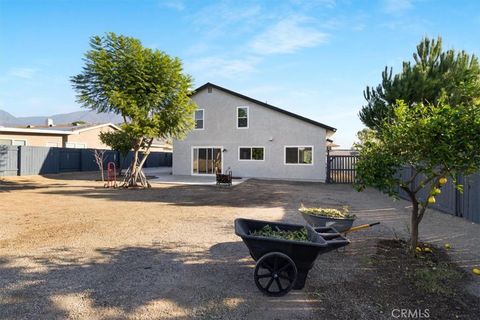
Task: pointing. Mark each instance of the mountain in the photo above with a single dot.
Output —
(6, 119)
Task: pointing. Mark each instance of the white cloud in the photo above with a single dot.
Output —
(218, 67)
(24, 73)
(356, 21)
(226, 18)
(396, 6)
(173, 4)
(315, 3)
(287, 36)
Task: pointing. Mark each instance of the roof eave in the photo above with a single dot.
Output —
(40, 131)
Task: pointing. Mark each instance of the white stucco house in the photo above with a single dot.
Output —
(251, 138)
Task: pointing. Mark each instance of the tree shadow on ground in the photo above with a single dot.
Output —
(161, 281)
(12, 185)
(252, 193)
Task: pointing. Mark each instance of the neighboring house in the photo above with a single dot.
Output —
(343, 152)
(68, 136)
(163, 145)
(251, 138)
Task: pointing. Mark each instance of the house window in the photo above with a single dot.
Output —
(199, 119)
(13, 142)
(6, 142)
(19, 142)
(298, 155)
(251, 153)
(242, 117)
(75, 145)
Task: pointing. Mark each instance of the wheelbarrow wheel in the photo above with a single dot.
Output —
(275, 274)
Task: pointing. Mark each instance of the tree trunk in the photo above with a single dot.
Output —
(414, 222)
(414, 218)
(98, 155)
(134, 174)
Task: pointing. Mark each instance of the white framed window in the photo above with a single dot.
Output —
(251, 153)
(76, 145)
(13, 142)
(199, 119)
(242, 117)
(6, 142)
(299, 155)
(18, 142)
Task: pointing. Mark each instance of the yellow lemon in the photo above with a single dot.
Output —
(418, 249)
(431, 199)
(476, 271)
(442, 180)
(447, 246)
(427, 249)
(436, 191)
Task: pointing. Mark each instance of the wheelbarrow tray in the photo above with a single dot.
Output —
(340, 224)
(303, 253)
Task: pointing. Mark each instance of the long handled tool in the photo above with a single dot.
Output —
(362, 226)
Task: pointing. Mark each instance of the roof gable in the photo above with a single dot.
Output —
(266, 105)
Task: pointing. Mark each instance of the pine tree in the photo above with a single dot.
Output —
(434, 73)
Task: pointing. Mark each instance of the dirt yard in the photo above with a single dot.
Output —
(71, 249)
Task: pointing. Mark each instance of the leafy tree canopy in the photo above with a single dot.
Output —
(119, 140)
(426, 118)
(433, 74)
(437, 141)
(147, 87)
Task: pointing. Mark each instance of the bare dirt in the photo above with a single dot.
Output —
(71, 249)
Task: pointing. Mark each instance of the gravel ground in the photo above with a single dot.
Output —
(72, 249)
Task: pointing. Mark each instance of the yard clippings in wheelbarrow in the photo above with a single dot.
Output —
(269, 232)
(341, 220)
(283, 265)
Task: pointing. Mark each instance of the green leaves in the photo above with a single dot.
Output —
(436, 140)
(147, 87)
(293, 235)
(432, 75)
(118, 140)
(427, 117)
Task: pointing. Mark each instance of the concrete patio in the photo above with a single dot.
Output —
(164, 175)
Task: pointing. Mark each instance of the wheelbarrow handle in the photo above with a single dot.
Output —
(360, 227)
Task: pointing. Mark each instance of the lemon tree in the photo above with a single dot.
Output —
(437, 138)
(437, 141)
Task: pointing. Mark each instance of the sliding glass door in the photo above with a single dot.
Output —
(207, 160)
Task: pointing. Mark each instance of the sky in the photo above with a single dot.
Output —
(313, 58)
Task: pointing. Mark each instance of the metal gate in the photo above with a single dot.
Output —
(341, 169)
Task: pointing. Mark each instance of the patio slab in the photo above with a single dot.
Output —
(163, 175)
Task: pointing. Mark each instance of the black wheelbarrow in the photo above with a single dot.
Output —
(283, 265)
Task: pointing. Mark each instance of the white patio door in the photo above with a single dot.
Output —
(207, 160)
